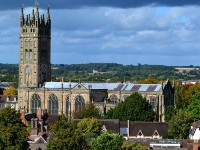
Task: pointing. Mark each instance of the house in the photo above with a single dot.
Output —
(194, 133)
(9, 100)
(40, 124)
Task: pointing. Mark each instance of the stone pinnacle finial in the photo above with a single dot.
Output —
(36, 3)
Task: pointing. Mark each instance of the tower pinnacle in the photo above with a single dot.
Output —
(36, 3)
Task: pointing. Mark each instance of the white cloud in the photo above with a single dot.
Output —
(151, 35)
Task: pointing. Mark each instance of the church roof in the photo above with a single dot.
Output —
(107, 86)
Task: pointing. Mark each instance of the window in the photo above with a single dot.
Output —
(113, 99)
(36, 103)
(153, 102)
(26, 55)
(53, 104)
(79, 103)
(140, 134)
(2, 105)
(30, 54)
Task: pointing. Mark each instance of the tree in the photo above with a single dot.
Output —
(194, 106)
(107, 141)
(128, 145)
(89, 110)
(179, 125)
(149, 80)
(169, 112)
(65, 136)
(13, 133)
(90, 127)
(10, 91)
(134, 108)
(188, 92)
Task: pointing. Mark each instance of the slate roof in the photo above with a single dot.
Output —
(51, 119)
(12, 98)
(108, 86)
(148, 128)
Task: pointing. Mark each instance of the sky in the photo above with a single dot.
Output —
(157, 32)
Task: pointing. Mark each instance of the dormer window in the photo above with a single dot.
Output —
(156, 134)
(140, 134)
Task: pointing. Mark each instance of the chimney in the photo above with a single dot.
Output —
(22, 115)
(34, 126)
(39, 113)
(195, 145)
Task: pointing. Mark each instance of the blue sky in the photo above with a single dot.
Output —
(164, 32)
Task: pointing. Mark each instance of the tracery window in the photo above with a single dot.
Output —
(79, 103)
(153, 102)
(53, 104)
(113, 99)
(36, 103)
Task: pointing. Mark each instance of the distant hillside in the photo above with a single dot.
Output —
(104, 72)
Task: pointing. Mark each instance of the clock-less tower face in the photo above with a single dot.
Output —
(35, 41)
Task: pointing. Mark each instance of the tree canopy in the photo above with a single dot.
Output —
(90, 127)
(194, 106)
(128, 145)
(107, 141)
(134, 108)
(10, 91)
(179, 125)
(64, 135)
(87, 111)
(13, 133)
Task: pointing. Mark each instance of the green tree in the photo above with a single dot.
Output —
(128, 145)
(10, 91)
(169, 112)
(65, 136)
(134, 108)
(13, 133)
(107, 141)
(194, 106)
(188, 92)
(89, 110)
(179, 125)
(149, 80)
(90, 127)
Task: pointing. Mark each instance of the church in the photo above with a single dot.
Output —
(37, 91)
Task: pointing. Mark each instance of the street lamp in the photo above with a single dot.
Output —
(70, 111)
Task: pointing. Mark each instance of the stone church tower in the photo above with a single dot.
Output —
(35, 45)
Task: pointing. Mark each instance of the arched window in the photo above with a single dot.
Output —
(79, 103)
(67, 105)
(36, 102)
(153, 102)
(113, 99)
(53, 104)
